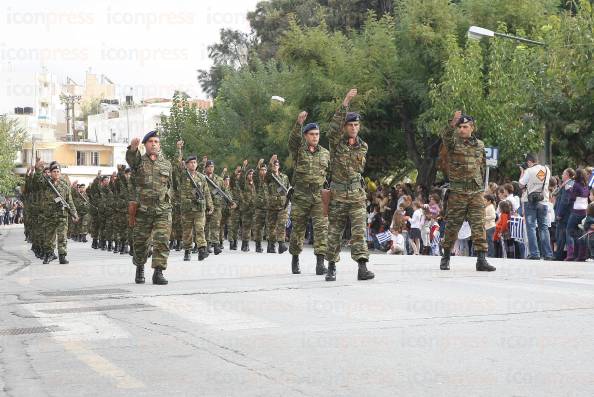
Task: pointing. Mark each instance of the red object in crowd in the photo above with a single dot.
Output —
(501, 226)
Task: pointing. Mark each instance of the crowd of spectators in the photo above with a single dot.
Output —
(538, 216)
(11, 211)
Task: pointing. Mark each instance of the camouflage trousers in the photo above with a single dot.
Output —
(37, 227)
(193, 228)
(276, 221)
(105, 226)
(82, 226)
(120, 225)
(213, 225)
(55, 228)
(466, 207)
(247, 223)
(304, 206)
(225, 217)
(338, 214)
(259, 223)
(176, 225)
(234, 221)
(94, 225)
(152, 226)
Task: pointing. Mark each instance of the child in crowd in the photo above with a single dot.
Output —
(490, 218)
(397, 247)
(501, 237)
(416, 223)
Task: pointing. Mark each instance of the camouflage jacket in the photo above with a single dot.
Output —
(185, 191)
(261, 192)
(123, 192)
(106, 202)
(276, 195)
(248, 193)
(153, 181)
(48, 206)
(466, 162)
(217, 200)
(310, 168)
(347, 161)
(81, 201)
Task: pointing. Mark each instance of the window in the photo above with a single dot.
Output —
(87, 158)
(47, 155)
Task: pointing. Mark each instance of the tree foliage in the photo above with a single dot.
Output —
(11, 141)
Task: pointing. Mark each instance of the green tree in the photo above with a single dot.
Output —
(11, 141)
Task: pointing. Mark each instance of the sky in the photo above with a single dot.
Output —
(153, 47)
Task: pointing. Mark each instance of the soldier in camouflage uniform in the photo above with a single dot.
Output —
(235, 213)
(310, 163)
(81, 201)
(150, 210)
(248, 205)
(227, 208)
(277, 212)
(121, 194)
(94, 194)
(175, 240)
(261, 204)
(347, 195)
(193, 210)
(213, 221)
(104, 212)
(54, 215)
(466, 167)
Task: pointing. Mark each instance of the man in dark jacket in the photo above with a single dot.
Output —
(563, 207)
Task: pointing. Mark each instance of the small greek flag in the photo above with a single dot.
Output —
(384, 237)
(591, 181)
(516, 228)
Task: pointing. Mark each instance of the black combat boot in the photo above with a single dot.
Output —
(139, 279)
(158, 278)
(53, 256)
(178, 245)
(320, 267)
(259, 247)
(116, 247)
(217, 248)
(47, 258)
(171, 244)
(245, 247)
(186, 255)
(84, 238)
(109, 245)
(233, 245)
(209, 248)
(195, 249)
(282, 247)
(482, 265)
(63, 260)
(331, 275)
(102, 245)
(270, 248)
(295, 265)
(221, 246)
(94, 244)
(122, 247)
(445, 260)
(202, 253)
(363, 273)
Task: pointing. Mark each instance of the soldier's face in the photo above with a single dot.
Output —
(465, 130)
(192, 165)
(104, 182)
(55, 174)
(312, 137)
(250, 176)
(153, 145)
(262, 172)
(46, 173)
(275, 167)
(226, 182)
(209, 169)
(81, 190)
(352, 129)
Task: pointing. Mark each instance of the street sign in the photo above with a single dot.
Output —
(492, 155)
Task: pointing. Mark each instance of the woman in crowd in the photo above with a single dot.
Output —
(490, 216)
(576, 248)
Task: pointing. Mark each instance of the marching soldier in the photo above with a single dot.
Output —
(278, 185)
(55, 213)
(347, 195)
(94, 194)
(150, 210)
(466, 167)
(261, 204)
(311, 162)
(81, 202)
(248, 202)
(227, 208)
(122, 195)
(195, 200)
(235, 213)
(213, 220)
(104, 212)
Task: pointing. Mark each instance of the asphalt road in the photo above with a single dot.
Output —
(239, 324)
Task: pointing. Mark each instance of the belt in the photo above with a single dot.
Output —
(309, 187)
(346, 187)
(470, 185)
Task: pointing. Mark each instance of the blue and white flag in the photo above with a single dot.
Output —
(516, 228)
(591, 181)
(384, 237)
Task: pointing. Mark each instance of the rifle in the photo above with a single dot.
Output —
(197, 192)
(58, 199)
(281, 187)
(218, 190)
(86, 200)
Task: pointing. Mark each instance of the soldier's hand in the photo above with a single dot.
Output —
(301, 118)
(75, 219)
(134, 144)
(210, 211)
(39, 163)
(273, 158)
(456, 118)
(180, 144)
(233, 205)
(349, 96)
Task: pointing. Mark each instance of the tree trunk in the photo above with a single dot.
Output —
(425, 158)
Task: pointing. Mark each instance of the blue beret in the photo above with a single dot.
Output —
(54, 166)
(352, 116)
(310, 126)
(209, 163)
(149, 135)
(190, 158)
(465, 119)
